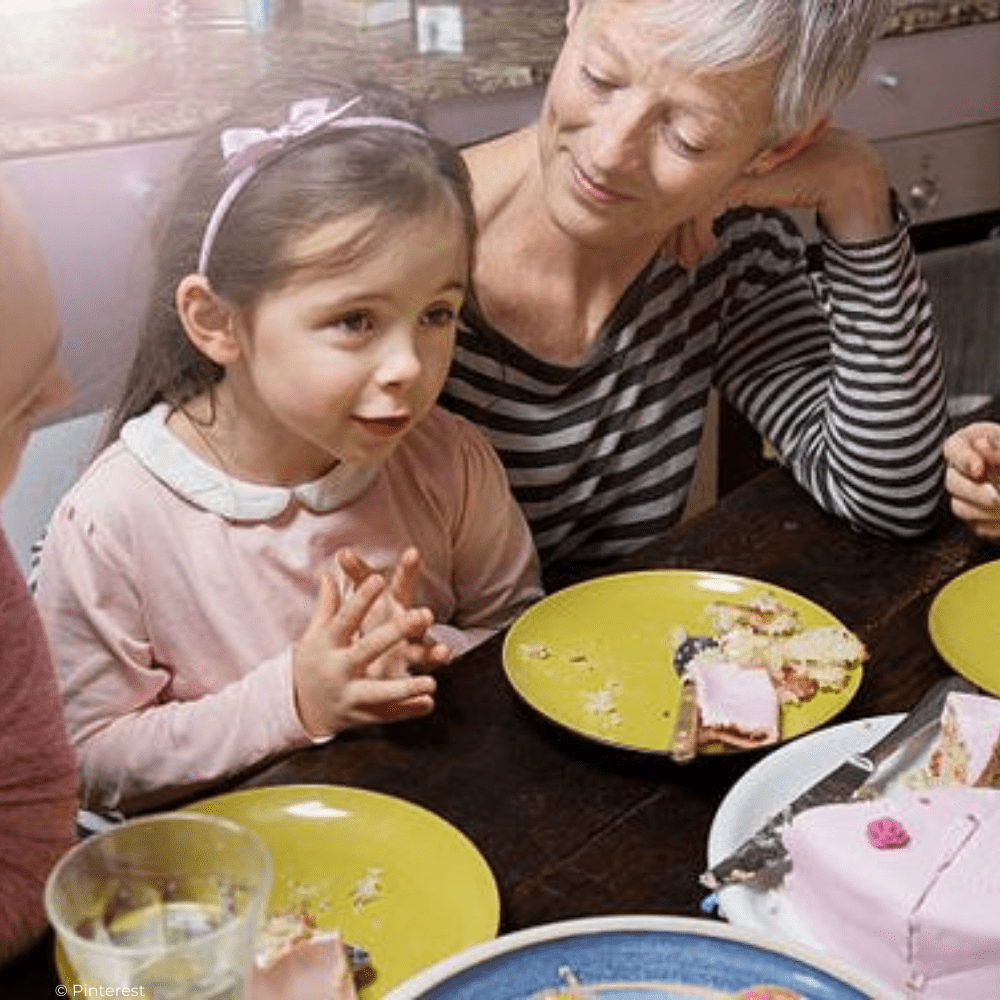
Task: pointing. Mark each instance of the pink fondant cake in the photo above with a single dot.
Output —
(312, 969)
(736, 705)
(967, 751)
(296, 961)
(906, 888)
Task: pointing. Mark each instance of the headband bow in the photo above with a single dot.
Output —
(243, 146)
(246, 150)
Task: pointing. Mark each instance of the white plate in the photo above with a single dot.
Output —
(764, 791)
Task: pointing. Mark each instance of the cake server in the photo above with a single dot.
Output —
(685, 742)
(762, 856)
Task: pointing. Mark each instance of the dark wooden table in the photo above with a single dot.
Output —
(571, 828)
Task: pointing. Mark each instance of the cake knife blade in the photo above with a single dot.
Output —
(684, 746)
(764, 851)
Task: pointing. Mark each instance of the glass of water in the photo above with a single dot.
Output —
(170, 904)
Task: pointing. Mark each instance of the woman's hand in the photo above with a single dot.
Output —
(830, 171)
(335, 669)
(393, 604)
(835, 173)
(973, 478)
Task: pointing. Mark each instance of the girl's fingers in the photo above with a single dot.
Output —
(404, 577)
(428, 654)
(356, 569)
(439, 654)
(394, 697)
(409, 627)
(327, 604)
(347, 624)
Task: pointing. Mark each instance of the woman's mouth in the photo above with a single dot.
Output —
(384, 427)
(595, 192)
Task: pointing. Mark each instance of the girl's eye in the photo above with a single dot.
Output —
(355, 323)
(440, 316)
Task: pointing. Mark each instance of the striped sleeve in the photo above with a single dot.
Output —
(838, 366)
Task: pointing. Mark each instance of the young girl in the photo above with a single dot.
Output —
(234, 576)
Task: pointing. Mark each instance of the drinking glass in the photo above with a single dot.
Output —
(164, 907)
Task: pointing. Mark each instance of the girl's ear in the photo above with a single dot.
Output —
(787, 149)
(209, 323)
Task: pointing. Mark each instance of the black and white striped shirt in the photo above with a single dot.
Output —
(833, 360)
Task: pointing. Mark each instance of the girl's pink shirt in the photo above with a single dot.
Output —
(38, 779)
(172, 626)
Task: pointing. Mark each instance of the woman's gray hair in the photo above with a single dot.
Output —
(818, 45)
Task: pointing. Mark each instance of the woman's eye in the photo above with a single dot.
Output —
(595, 79)
(686, 145)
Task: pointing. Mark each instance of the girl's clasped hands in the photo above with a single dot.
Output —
(353, 665)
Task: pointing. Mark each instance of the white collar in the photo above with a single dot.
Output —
(168, 458)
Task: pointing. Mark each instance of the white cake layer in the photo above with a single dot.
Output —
(970, 730)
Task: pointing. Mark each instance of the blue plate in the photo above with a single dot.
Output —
(643, 949)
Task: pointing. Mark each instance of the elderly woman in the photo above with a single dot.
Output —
(38, 778)
(633, 252)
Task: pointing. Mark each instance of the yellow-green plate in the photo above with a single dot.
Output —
(610, 642)
(965, 625)
(436, 896)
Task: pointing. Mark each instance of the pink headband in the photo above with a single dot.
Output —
(249, 150)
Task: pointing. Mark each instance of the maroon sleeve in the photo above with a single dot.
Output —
(38, 782)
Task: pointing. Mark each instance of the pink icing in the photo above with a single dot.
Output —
(308, 969)
(887, 833)
(931, 910)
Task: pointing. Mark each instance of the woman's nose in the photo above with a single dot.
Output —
(621, 138)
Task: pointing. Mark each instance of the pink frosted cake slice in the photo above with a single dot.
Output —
(907, 888)
(737, 705)
(311, 969)
(967, 751)
(296, 961)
